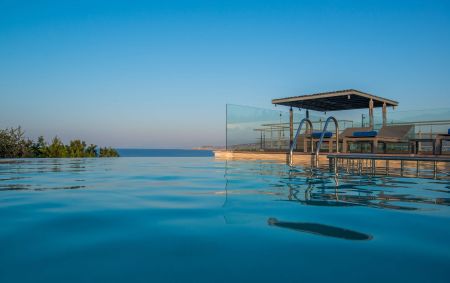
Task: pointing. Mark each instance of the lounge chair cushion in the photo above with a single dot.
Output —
(327, 135)
(367, 134)
(448, 131)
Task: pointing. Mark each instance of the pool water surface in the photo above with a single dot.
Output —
(196, 219)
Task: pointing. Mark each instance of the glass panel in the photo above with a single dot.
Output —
(251, 128)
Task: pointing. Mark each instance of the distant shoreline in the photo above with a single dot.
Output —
(209, 148)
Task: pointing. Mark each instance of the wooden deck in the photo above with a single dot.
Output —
(390, 161)
(300, 158)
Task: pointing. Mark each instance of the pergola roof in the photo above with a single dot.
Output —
(333, 101)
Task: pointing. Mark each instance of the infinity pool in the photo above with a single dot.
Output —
(202, 220)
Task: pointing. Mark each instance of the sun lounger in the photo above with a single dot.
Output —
(387, 134)
(315, 137)
(317, 134)
(331, 140)
(328, 138)
(365, 134)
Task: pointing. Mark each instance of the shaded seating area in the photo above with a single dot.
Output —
(412, 131)
(393, 137)
(424, 132)
(349, 99)
(386, 135)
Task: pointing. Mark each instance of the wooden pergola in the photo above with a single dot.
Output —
(349, 99)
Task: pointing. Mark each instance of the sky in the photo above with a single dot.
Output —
(158, 74)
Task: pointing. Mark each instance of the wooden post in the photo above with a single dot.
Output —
(291, 127)
(384, 114)
(374, 146)
(371, 113)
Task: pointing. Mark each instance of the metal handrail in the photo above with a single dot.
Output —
(294, 142)
(323, 134)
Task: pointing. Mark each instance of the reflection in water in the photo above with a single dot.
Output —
(377, 192)
(26, 174)
(14, 187)
(351, 195)
(11, 178)
(301, 185)
(318, 188)
(320, 229)
(62, 188)
(44, 165)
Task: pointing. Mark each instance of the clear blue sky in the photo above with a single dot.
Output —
(158, 74)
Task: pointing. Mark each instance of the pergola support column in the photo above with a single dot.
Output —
(371, 113)
(384, 114)
(291, 127)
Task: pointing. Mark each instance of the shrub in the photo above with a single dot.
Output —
(13, 144)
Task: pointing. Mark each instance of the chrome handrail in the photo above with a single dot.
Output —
(323, 134)
(294, 142)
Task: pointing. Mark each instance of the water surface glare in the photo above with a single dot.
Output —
(196, 219)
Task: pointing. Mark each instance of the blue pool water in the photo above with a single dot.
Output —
(201, 220)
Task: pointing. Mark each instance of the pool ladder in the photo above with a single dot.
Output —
(315, 159)
(294, 142)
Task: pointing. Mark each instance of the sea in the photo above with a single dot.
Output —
(156, 152)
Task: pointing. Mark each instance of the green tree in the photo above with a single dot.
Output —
(27, 149)
(56, 149)
(76, 149)
(108, 152)
(91, 151)
(14, 144)
(39, 147)
(8, 147)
